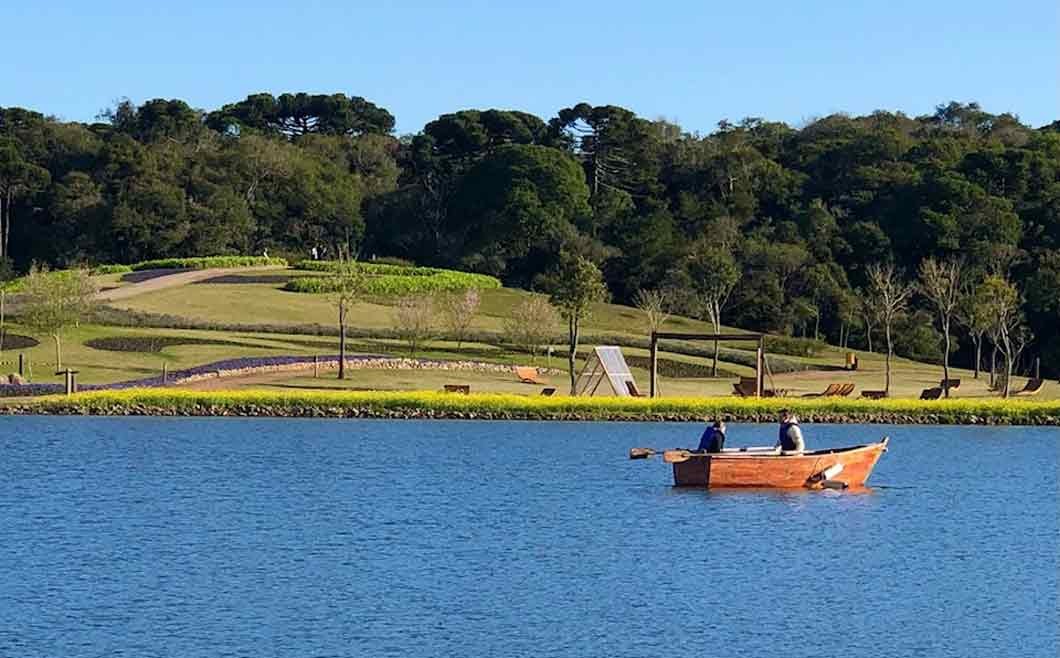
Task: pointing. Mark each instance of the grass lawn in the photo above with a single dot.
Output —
(266, 303)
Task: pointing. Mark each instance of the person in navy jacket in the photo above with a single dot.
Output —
(713, 439)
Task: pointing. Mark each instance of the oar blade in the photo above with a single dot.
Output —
(641, 453)
(676, 456)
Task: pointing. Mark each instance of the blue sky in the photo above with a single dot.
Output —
(692, 62)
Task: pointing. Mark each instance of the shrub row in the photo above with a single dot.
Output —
(677, 369)
(393, 285)
(208, 262)
(372, 267)
(110, 269)
(17, 341)
(510, 407)
(149, 344)
(792, 346)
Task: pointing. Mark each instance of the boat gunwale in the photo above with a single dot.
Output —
(882, 444)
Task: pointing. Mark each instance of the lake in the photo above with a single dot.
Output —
(318, 538)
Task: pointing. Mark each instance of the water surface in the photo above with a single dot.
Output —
(266, 537)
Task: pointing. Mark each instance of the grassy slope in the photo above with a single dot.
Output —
(260, 303)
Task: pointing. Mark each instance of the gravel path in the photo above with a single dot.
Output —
(181, 278)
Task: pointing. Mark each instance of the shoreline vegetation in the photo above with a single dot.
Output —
(432, 405)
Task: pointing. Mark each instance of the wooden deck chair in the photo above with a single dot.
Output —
(831, 390)
(548, 392)
(744, 390)
(1032, 387)
(457, 388)
(845, 390)
(528, 375)
(954, 384)
(933, 393)
(873, 395)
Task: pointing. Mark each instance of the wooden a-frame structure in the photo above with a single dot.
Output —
(760, 355)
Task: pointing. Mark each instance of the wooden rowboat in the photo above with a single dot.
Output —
(835, 468)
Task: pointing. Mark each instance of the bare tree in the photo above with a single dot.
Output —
(458, 313)
(890, 295)
(414, 320)
(54, 301)
(1001, 301)
(714, 274)
(656, 305)
(348, 279)
(531, 324)
(940, 282)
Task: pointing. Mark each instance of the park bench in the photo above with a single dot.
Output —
(463, 389)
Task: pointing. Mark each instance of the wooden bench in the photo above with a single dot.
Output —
(933, 393)
(463, 389)
(874, 395)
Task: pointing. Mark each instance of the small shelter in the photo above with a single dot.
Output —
(606, 363)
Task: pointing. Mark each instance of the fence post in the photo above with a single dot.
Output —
(21, 364)
(654, 367)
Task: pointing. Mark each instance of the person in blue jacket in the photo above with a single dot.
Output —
(713, 439)
(790, 440)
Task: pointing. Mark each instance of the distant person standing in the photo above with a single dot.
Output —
(265, 253)
(790, 439)
(315, 253)
(713, 439)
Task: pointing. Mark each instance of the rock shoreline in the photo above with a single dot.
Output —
(324, 410)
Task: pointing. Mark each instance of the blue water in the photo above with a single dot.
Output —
(226, 537)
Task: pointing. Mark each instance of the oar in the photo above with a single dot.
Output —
(642, 453)
(677, 456)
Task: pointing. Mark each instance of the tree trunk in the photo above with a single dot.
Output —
(572, 337)
(946, 359)
(817, 327)
(993, 367)
(58, 353)
(978, 353)
(342, 341)
(868, 335)
(890, 350)
(717, 330)
(1005, 391)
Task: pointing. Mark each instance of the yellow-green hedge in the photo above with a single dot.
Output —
(497, 406)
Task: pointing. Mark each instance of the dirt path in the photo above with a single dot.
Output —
(174, 280)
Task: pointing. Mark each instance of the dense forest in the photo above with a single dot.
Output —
(793, 217)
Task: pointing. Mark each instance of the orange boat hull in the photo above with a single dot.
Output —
(742, 469)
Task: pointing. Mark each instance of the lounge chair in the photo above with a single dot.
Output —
(463, 389)
(874, 395)
(954, 384)
(548, 392)
(528, 375)
(933, 393)
(1032, 387)
(833, 390)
